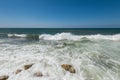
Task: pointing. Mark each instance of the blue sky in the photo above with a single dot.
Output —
(59, 13)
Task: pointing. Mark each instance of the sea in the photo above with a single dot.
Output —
(94, 53)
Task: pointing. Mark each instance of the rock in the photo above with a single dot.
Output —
(4, 77)
(38, 74)
(68, 67)
(72, 70)
(27, 66)
(18, 71)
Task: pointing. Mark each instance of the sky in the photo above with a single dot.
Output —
(59, 13)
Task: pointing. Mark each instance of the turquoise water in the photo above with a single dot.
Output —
(94, 53)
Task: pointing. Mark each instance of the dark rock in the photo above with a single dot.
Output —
(4, 77)
(72, 70)
(68, 67)
(27, 66)
(18, 71)
(38, 74)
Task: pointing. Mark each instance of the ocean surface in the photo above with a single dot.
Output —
(93, 52)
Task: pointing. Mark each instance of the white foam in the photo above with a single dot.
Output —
(69, 36)
(86, 59)
(17, 35)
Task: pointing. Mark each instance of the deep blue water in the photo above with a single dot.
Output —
(78, 31)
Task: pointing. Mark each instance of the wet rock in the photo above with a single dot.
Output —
(38, 74)
(27, 66)
(18, 71)
(4, 77)
(72, 70)
(68, 67)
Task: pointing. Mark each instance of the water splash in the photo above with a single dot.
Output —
(93, 57)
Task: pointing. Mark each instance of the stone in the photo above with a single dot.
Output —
(68, 67)
(38, 74)
(18, 71)
(27, 66)
(4, 77)
(72, 70)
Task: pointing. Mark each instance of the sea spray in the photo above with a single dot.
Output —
(94, 57)
(65, 36)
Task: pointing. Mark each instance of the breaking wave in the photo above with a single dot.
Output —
(65, 36)
(92, 59)
(28, 36)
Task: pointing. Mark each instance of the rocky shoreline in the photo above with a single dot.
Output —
(66, 67)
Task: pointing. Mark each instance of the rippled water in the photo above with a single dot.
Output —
(94, 57)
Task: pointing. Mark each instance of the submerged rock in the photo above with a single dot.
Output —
(18, 71)
(27, 66)
(38, 74)
(68, 67)
(4, 77)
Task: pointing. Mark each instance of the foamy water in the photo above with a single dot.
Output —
(69, 36)
(94, 57)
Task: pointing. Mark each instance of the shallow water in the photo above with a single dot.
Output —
(94, 57)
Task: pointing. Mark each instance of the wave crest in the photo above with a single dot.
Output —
(69, 36)
(28, 36)
(65, 36)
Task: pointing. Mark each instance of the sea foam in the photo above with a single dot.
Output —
(68, 36)
(92, 60)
